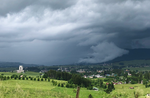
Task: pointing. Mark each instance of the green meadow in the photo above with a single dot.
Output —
(44, 89)
(40, 89)
(28, 73)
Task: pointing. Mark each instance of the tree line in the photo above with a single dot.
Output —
(71, 78)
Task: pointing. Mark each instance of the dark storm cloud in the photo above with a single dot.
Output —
(15, 6)
(60, 32)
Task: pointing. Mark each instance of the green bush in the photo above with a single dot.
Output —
(8, 77)
(45, 79)
(23, 78)
(34, 79)
(62, 85)
(58, 84)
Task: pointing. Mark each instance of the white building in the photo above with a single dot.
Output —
(98, 76)
(20, 69)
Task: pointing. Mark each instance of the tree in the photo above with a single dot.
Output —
(45, 79)
(90, 96)
(38, 79)
(112, 86)
(62, 85)
(34, 79)
(48, 79)
(67, 85)
(58, 84)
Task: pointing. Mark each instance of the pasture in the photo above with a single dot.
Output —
(40, 89)
(28, 73)
(45, 89)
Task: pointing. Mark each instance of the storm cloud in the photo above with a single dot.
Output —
(63, 32)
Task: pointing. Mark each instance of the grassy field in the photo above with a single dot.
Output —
(44, 89)
(28, 73)
(139, 69)
(40, 89)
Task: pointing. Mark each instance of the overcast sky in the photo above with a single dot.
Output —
(71, 31)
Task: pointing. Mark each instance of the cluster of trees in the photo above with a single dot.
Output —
(147, 85)
(57, 75)
(4, 77)
(109, 88)
(71, 85)
(71, 78)
(138, 77)
(23, 77)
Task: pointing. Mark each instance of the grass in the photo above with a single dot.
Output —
(124, 90)
(29, 89)
(28, 73)
(44, 89)
(40, 89)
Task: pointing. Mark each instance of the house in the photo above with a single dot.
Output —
(107, 83)
(99, 71)
(115, 83)
(129, 74)
(43, 71)
(148, 95)
(90, 76)
(95, 89)
(98, 76)
(131, 87)
(80, 71)
(84, 76)
(107, 74)
(119, 82)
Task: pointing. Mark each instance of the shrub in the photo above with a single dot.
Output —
(90, 87)
(8, 77)
(45, 79)
(14, 76)
(31, 78)
(4, 78)
(74, 91)
(62, 85)
(48, 80)
(58, 84)
(136, 95)
(67, 85)
(34, 79)
(23, 78)
(90, 96)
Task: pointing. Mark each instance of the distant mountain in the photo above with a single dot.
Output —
(15, 64)
(134, 54)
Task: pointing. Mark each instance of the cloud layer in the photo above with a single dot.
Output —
(54, 32)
